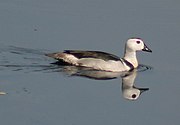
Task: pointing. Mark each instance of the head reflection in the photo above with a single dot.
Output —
(129, 90)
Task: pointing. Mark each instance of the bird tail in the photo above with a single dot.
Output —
(68, 58)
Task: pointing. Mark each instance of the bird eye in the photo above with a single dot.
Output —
(134, 96)
(137, 42)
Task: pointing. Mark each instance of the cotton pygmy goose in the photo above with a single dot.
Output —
(104, 61)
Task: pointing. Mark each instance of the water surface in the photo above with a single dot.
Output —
(33, 91)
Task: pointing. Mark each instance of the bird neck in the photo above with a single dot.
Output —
(130, 56)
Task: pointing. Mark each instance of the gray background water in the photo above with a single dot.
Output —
(38, 98)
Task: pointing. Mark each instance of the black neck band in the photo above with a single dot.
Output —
(128, 64)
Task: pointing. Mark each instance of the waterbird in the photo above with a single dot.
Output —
(99, 60)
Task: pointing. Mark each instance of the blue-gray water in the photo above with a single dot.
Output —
(39, 93)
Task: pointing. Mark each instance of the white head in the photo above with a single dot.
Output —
(133, 45)
(136, 44)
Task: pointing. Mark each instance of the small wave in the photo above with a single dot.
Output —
(142, 68)
(23, 59)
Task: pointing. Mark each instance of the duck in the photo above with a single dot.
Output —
(99, 60)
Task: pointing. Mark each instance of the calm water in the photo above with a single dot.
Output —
(35, 92)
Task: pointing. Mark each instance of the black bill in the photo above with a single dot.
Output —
(146, 49)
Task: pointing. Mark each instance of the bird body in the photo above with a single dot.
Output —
(104, 61)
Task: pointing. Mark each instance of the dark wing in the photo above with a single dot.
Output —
(92, 54)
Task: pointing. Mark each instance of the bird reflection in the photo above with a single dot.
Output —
(129, 90)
